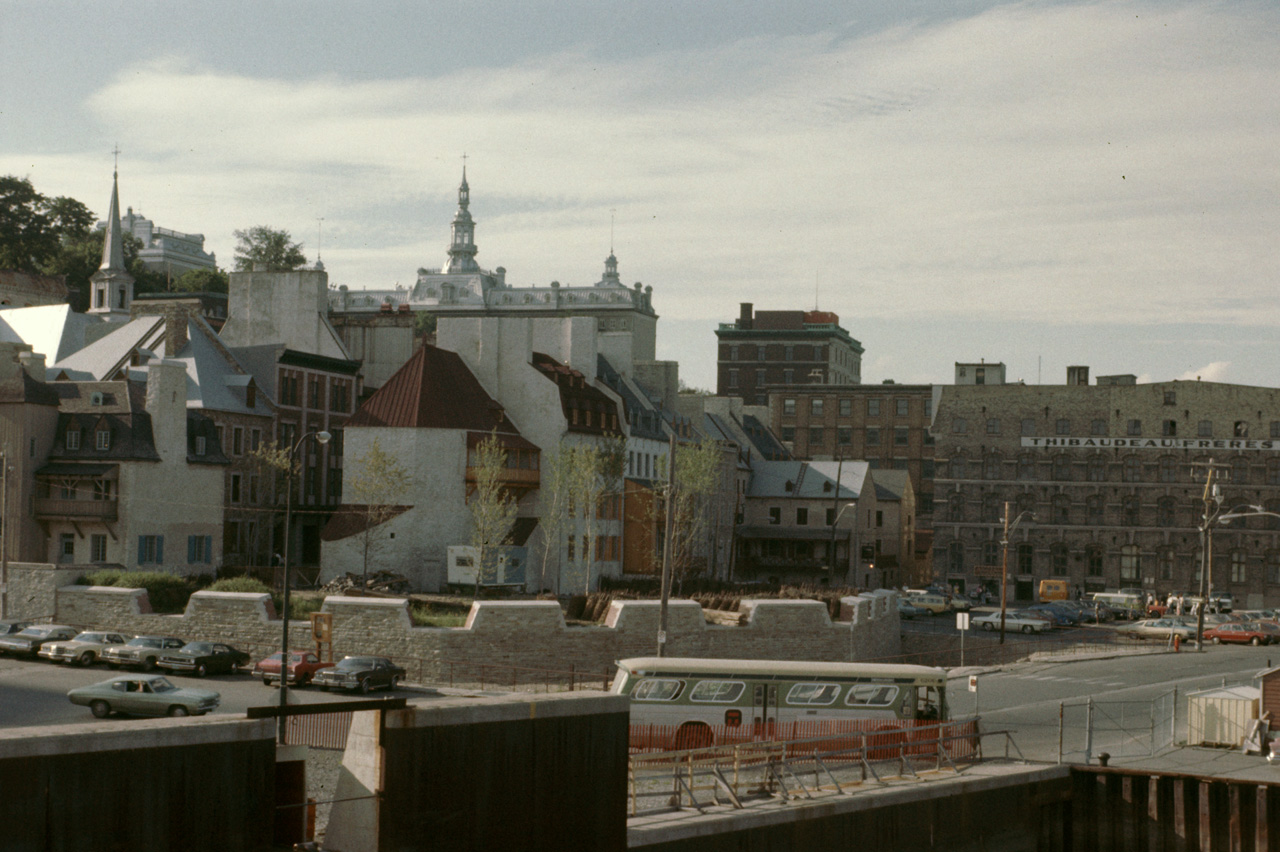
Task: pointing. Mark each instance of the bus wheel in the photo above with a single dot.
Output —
(693, 735)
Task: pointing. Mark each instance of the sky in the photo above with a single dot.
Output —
(1041, 184)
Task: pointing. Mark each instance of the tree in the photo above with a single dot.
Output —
(264, 244)
(493, 509)
(696, 477)
(599, 476)
(374, 492)
(34, 227)
(202, 281)
(555, 496)
(424, 325)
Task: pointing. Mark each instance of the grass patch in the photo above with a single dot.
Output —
(427, 615)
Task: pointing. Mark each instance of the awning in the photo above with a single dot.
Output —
(73, 469)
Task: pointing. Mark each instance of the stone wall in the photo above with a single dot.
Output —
(524, 634)
(32, 589)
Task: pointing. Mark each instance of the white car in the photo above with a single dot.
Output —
(1012, 622)
(84, 650)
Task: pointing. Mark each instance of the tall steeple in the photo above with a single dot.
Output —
(112, 286)
(462, 241)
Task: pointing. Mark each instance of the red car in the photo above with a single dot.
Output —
(302, 667)
(1239, 633)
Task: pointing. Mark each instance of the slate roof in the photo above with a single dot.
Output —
(22, 388)
(121, 411)
(433, 390)
(642, 415)
(763, 440)
(890, 484)
(54, 331)
(807, 480)
(586, 408)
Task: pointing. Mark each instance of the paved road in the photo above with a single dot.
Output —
(34, 692)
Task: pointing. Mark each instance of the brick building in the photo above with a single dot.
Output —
(1114, 475)
(764, 348)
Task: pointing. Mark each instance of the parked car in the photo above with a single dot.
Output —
(906, 609)
(202, 658)
(301, 669)
(959, 603)
(7, 627)
(28, 641)
(935, 604)
(1238, 633)
(142, 652)
(83, 650)
(144, 695)
(1061, 617)
(1012, 622)
(1160, 628)
(360, 674)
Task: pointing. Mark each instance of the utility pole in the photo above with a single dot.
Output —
(835, 515)
(668, 524)
(1212, 506)
(4, 534)
(1004, 568)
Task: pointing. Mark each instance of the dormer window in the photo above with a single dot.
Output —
(103, 439)
(73, 438)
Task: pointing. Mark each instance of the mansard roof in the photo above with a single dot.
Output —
(586, 408)
(433, 390)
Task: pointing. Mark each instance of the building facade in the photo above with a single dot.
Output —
(764, 348)
(1108, 480)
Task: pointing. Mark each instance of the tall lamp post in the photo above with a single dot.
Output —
(1004, 559)
(281, 723)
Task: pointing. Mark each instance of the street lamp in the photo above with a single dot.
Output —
(1004, 558)
(321, 438)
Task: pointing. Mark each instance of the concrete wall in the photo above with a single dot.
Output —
(526, 634)
(33, 588)
(143, 785)
(281, 307)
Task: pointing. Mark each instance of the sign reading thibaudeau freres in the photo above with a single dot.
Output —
(1230, 444)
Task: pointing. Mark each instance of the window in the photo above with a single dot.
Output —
(1169, 428)
(1058, 559)
(251, 396)
(1096, 469)
(955, 509)
(1170, 397)
(1026, 502)
(1063, 426)
(873, 436)
(1273, 567)
(1165, 563)
(879, 518)
(813, 693)
(1166, 512)
(1130, 563)
(873, 408)
(903, 407)
(1028, 426)
(1204, 429)
(1093, 509)
(802, 517)
(733, 378)
(959, 426)
(1240, 429)
(901, 436)
(1132, 469)
(816, 436)
(1237, 566)
(788, 433)
(733, 353)
(1135, 427)
(102, 489)
(789, 353)
(1168, 469)
(199, 549)
(815, 406)
(1026, 467)
(255, 438)
(844, 436)
(846, 407)
(1273, 471)
(1275, 428)
(1129, 510)
(656, 689)
(991, 467)
(67, 547)
(788, 407)
(237, 441)
(73, 438)
(571, 547)
(719, 691)
(1026, 558)
(991, 553)
(991, 506)
(97, 548)
(928, 408)
(150, 549)
(775, 514)
(1098, 427)
(955, 557)
(927, 468)
(1239, 472)
(993, 425)
(1093, 561)
(1061, 509)
(788, 377)
(103, 439)
(1062, 468)
(235, 488)
(957, 467)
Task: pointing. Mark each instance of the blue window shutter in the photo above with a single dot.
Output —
(191, 548)
(159, 550)
(142, 549)
(208, 548)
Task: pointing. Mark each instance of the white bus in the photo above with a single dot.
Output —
(681, 702)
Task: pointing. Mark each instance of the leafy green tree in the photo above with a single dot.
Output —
(424, 325)
(493, 508)
(33, 227)
(696, 478)
(374, 491)
(202, 281)
(267, 245)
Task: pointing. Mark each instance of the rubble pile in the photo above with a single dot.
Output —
(379, 582)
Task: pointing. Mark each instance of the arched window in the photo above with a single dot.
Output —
(1058, 558)
(1061, 509)
(991, 553)
(1168, 469)
(991, 508)
(1097, 469)
(1132, 469)
(958, 466)
(1093, 510)
(1129, 510)
(991, 466)
(1237, 566)
(1239, 471)
(1062, 468)
(955, 557)
(1026, 466)
(955, 508)
(1026, 558)
(1026, 503)
(1273, 471)
(1166, 512)
(1093, 561)
(1165, 561)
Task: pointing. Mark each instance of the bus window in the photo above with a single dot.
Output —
(928, 703)
(871, 695)
(655, 689)
(813, 693)
(726, 691)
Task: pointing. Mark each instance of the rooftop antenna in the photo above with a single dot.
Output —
(612, 215)
(816, 275)
(319, 235)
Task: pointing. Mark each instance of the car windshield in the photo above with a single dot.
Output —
(161, 684)
(89, 637)
(37, 631)
(145, 642)
(197, 648)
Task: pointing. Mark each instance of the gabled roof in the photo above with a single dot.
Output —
(54, 331)
(807, 480)
(102, 359)
(433, 390)
(117, 407)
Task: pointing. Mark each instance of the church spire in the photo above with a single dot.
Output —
(462, 241)
(111, 287)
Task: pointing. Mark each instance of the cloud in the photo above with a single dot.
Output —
(1218, 371)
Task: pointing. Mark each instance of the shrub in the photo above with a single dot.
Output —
(423, 615)
(240, 584)
(167, 592)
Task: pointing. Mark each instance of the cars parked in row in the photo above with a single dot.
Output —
(1013, 621)
(28, 641)
(360, 674)
(301, 668)
(143, 695)
(141, 652)
(202, 658)
(7, 627)
(83, 650)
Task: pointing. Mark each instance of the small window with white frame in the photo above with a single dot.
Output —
(813, 693)
(717, 691)
(657, 689)
(871, 695)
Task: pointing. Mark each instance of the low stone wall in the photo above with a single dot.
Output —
(33, 587)
(524, 634)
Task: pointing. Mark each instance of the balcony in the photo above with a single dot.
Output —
(59, 509)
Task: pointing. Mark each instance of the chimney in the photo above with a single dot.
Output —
(1077, 375)
(167, 405)
(175, 331)
(34, 364)
(744, 315)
